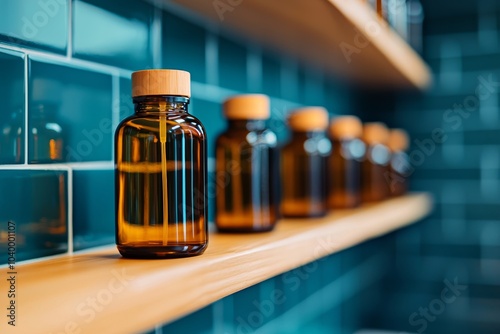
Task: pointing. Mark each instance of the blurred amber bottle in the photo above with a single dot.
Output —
(400, 167)
(374, 168)
(45, 135)
(247, 168)
(304, 164)
(160, 157)
(344, 171)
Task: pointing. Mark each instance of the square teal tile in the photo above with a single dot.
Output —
(40, 24)
(12, 120)
(93, 208)
(37, 203)
(184, 46)
(71, 110)
(199, 322)
(232, 65)
(113, 33)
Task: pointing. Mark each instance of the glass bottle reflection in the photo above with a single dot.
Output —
(12, 138)
(344, 171)
(45, 134)
(375, 186)
(400, 168)
(304, 164)
(247, 168)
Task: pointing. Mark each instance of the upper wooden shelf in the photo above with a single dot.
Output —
(316, 31)
(100, 292)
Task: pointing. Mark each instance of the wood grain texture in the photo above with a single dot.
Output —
(100, 292)
(317, 31)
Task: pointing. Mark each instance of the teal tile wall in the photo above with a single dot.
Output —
(76, 69)
(79, 101)
(35, 24)
(110, 33)
(36, 202)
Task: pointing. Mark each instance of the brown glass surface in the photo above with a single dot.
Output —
(344, 175)
(303, 170)
(247, 178)
(153, 220)
(374, 183)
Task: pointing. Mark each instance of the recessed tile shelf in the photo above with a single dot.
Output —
(96, 290)
(344, 37)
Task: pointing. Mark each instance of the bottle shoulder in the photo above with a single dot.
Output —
(248, 137)
(176, 123)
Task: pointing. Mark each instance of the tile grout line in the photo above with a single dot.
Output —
(69, 51)
(26, 107)
(78, 63)
(70, 210)
(97, 165)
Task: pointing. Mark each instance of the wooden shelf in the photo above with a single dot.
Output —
(315, 31)
(130, 296)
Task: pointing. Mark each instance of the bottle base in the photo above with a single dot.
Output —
(161, 252)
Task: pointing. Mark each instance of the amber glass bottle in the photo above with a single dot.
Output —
(160, 157)
(45, 135)
(376, 162)
(399, 168)
(304, 164)
(247, 168)
(344, 171)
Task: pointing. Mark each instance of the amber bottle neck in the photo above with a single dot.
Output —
(160, 104)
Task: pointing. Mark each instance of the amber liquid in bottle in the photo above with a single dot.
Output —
(344, 173)
(160, 156)
(247, 178)
(374, 168)
(304, 168)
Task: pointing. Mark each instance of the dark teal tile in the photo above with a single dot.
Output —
(232, 65)
(199, 322)
(77, 105)
(93, 208)
(36, 202)
(184, 46)
(113, 33)
(210, 115)
(252, 309)
(125, 100)
(12, 108)
(35, 23)
(271, 76)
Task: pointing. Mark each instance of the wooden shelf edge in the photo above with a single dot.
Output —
(98, 291)
(317, 32)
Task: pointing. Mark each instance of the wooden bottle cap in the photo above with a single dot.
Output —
(247, 106)
(308, 119)
(161, 82)
(399, 141)
(375, 133)
(345, 127)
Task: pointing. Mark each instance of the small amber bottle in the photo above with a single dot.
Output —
(304, 164)
(247, 167)
(45, 135)
(160, 157)
(400, 167)
(376, 163)
(344, 163)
